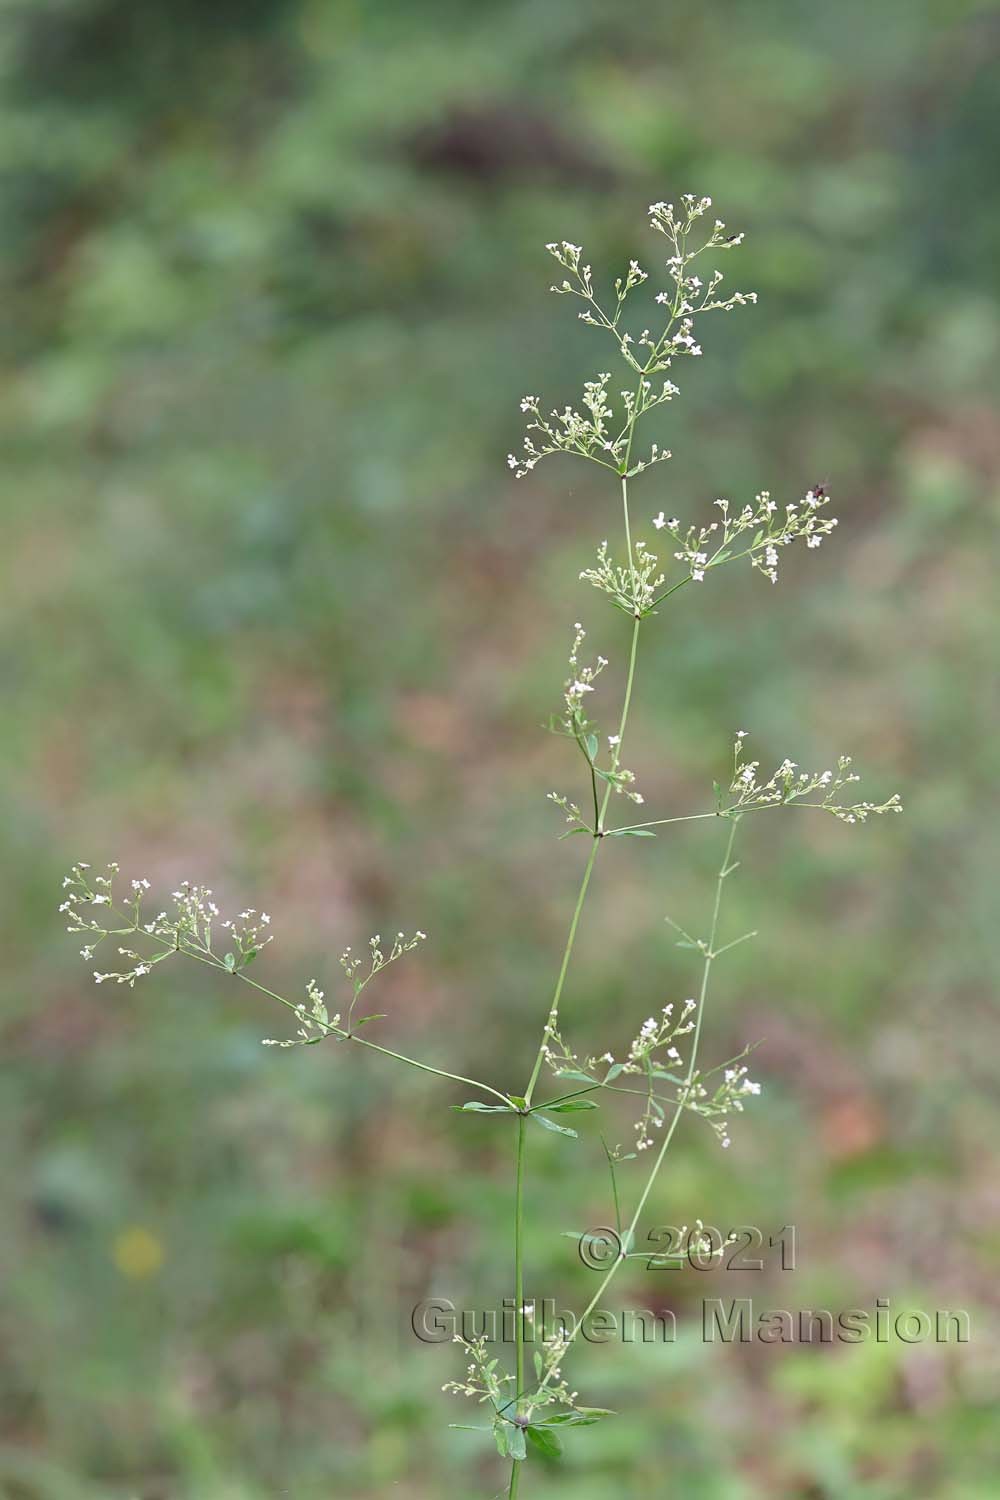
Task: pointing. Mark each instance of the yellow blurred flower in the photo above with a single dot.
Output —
(138, 1253)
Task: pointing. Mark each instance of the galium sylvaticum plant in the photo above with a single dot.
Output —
(660, 1071)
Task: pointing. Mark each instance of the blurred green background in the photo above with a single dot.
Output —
(275, 617)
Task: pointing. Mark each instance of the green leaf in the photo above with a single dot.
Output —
(545, 1442)
(474, 1106)
(568, 1106)
(551, 1124)
(518, 1102)
(670, 1077)
(636, 833)
(592, 746)
(365, 1019)
(230, 962)
(539, 1365)
(613, 1072)
(500, 1430)
(584, 1416)
(515, 1441)
(574, 1076)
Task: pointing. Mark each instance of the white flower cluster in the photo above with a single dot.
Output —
(558, 1055)
(314, 1020)
(580, 681)
(652, 1049)
(93, 906)
(484, 1381)
(593, 435)
(788, 785)
(377, 958)
(655, 1034)
(574, 724)
(703, 547)
(653, 1053)
(513, 1411)
(632, 588)
(729, 1095)
(552, 1389)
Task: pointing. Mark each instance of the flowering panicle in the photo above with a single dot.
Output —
(188, 929)
(701, 548)
(592, 434)
(788, 785)
(552, 1399)
(315, 1022)
(654, 1053)
(93, 905)
(574, 723)
(633, 587)
(715, 1104)
(484, 1380)
(661, 1074)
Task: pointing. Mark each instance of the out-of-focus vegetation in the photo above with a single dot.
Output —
(275, 617)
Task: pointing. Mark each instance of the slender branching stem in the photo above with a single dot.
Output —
(756, 532)
(362, 1041)
(725, 869)
(553, 1012)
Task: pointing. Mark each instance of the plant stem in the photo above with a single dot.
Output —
(588, 869)
(567, 951)
(515, 1475)
(723, 812)
(724, 869)
(519, 1255)
(352, 1036)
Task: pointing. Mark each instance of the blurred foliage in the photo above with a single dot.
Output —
(275, 617)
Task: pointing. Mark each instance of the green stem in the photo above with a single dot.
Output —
(724, 870)
(515, 1466)
(553, 1014)
(519, 1256)
(734, 812)
(614, 1185)
(628, 528)
(352, 1036)
(564, 966)
(660, 822)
